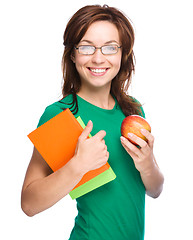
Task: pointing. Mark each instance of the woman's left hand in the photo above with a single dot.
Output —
(143, 155)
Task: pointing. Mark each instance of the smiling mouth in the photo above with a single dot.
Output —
(98, 70)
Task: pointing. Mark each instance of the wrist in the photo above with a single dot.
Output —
(76, 167)
(149, 171)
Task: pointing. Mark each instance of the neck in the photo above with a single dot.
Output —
(101, 98)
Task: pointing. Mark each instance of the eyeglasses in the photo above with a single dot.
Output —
(90, 50)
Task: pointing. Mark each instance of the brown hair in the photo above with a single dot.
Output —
(76, 29)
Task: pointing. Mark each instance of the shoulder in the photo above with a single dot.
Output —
(54, 109)
(50, 112)
(142, 113)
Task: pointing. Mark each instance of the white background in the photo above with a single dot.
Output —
(30, 79)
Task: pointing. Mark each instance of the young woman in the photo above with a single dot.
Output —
(98, 63)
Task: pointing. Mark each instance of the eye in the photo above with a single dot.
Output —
(86, 49)
(110, 49)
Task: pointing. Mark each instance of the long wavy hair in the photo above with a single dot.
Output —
(74, 32)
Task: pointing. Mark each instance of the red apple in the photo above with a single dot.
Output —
(134, 124)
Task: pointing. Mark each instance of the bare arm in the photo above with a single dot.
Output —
(42, 188)
(153, 181)
(145, 162)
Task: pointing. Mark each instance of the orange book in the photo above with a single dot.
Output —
(56, 141)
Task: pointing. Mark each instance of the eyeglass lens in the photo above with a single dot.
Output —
(88, 50)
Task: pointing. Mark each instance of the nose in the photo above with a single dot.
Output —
(98, 57)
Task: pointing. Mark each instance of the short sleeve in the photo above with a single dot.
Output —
(50, 112)
(142, 112)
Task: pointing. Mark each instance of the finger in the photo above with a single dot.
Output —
(130, 148)
(139, 141)
(105, 147)
(107, 155)
(100, 135)
(149, 137)
(84, 135)
(142, 145)
(133, 155)
(104, 144)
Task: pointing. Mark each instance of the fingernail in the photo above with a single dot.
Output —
(143, 130)
(122, 139)
(89, 122)
(130, 135)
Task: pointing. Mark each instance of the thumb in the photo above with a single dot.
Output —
(84, 135)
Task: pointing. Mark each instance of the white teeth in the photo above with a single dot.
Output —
(97, 70)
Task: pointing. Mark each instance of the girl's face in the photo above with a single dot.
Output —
(98, 70)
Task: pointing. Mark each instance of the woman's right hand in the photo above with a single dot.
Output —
(91, 153)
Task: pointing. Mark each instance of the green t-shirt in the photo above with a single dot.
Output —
(116, 210)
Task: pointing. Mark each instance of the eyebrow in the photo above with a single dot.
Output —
(90, 42)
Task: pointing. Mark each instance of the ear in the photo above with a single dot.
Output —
(72, 57)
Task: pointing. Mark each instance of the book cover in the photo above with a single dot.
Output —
(56, 141)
